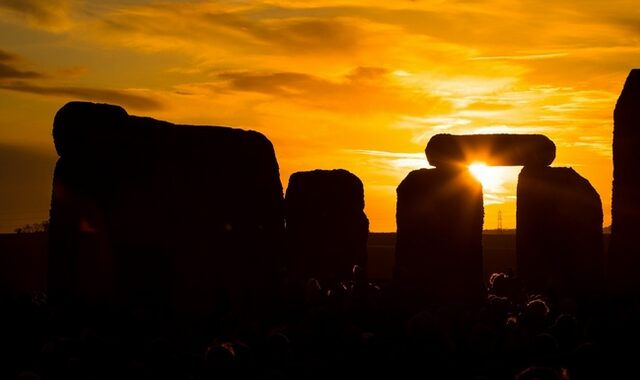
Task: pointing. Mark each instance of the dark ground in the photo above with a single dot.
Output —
(23, 257)
(354, 329)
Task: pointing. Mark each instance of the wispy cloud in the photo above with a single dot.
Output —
(203, 28)
(51, 15)
(9, 68)
(6, 56)
(385, 154)
(362, 90)
(15, 78)
(123, 97)
(11, 72)
(300, 35)
(524, 57)
(398, 163)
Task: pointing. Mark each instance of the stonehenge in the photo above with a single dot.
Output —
(326, 227)
(439, 218)
(178, 213)
(624, 249)
(559, 244)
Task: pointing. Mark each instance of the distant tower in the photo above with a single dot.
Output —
(499, 220)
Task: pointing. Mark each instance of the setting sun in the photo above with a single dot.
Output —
(488, 176)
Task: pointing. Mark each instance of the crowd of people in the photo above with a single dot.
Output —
(351, 329)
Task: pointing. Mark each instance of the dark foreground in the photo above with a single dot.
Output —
(357, 329)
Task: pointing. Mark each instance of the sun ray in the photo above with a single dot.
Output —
(488, 176)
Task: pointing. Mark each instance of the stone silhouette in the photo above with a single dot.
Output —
(326, 226)
(174, 214)
(492, 149)
(559, 242)
(440, 212)
(624, 251)
(439, 219)
(80, 264)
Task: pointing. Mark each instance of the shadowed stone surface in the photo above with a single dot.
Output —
(180, 213)
(327, 228)
(493, 149)
(439, 217)
(624, 250)
(559, 232)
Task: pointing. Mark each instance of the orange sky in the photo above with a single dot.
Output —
(331, 83)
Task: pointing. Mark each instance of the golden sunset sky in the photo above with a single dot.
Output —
(333, 84)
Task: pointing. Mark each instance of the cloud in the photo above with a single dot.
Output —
(204, 27)
(587, 67)
(523, 57)
(52, 15)
(391, 164)
(489, 106)
(496, 30)
(363, 90)
(10, 70)
(385, 154)
(14, 78)
(5, 56)
(298, 35)
(121, 97)
(72, 71)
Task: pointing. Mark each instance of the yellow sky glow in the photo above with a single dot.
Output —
(332, 83)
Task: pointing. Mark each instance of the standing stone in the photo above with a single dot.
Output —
(439, 218)
(559, 232)
(80, 264)
(185, 213)
(624, 249)
(326, 226)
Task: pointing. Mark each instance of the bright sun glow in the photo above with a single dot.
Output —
(488, 176)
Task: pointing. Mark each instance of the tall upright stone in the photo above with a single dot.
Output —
(624, 250)
(439, 219)
(559, 232)
(178, 214)
(80, 263)
(326, 226)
